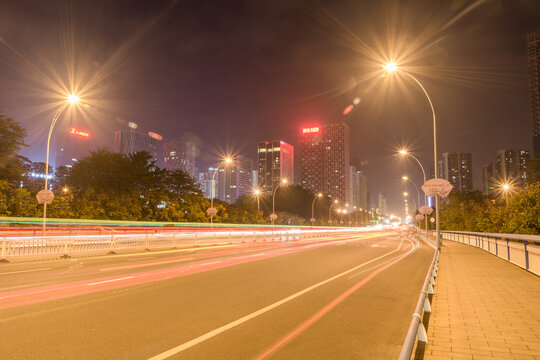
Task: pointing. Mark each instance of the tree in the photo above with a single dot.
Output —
(12, 165)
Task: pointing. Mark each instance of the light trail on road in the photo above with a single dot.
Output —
(224, 328)
(38, 294)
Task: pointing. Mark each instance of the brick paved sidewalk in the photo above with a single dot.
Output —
(483, 308)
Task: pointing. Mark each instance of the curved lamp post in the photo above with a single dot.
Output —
(273, 216)
(313, 208)
(392, 67)
(211, 210)
(330, 211)
(71, 100)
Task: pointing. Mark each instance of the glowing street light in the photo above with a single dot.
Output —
(392, 67)
(46, 196)
(406, 152)
(73, 99)
(211, 210)
(257, 194)
(273, 216)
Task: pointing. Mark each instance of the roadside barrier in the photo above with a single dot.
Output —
(520, 250)
(48, 246)
(417, 330)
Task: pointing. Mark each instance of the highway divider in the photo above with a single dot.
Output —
(66, 245)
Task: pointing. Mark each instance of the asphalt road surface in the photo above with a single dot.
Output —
(345, 297)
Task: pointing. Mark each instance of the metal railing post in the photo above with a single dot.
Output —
(525, 243)
(508, 247)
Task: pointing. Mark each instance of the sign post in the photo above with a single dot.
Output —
(438, 188)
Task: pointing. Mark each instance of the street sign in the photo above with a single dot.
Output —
(419, 217)
(273, 216)
(432, 219)
(45, 196)
(312, 220)
(425, 210)
(211, 211)
(437, 187)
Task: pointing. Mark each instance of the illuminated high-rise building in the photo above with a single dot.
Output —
(234, 180)
(275, 161)
(510, 166)
(325, 160)
(488, 172)
(71, 146)
(456, 168)
(180, 155)
(131, 141)
(533, 54)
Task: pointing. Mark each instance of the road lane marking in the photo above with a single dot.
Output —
(24, 271)
(108, 281)
(254, 314)
(151, 257)
(328, 307)
(143, 265)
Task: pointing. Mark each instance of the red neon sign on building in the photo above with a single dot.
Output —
(310, 130)
(78, 132)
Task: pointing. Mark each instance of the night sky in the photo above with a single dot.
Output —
(227, 74)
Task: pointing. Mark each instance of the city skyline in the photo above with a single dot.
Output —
(236, 87)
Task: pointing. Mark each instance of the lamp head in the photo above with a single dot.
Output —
(403, 152)
(284, 181)
(390, 67)
(405, 178)
(73, 99)
(257, 192)
(319, 194)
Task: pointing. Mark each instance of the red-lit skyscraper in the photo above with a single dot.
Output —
(325, 160)
(275, 161)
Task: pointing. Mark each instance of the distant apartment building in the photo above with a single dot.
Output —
(382, 209)
(208, 186)
(457, 169)
(234, 181)
(511, 166)
(275, 161)
(358, 196)
(131, 141)
(326, 159)
(488, 172)
(180, 155)
(533, 55)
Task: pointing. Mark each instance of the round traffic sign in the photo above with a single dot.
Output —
(45, 197)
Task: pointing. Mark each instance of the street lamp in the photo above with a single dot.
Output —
(47, 195)
(313, 208)
(405, 152)
(406, 178)
(211, 210)
(257, 194)
(273, 216)
(330, 211)
(390, 68)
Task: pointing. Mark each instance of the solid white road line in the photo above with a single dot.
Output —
(24, 271)
(248, 317)
(108, 281)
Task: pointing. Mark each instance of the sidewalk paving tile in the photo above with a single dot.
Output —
(483, 308)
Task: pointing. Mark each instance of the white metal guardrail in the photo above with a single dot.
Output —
(521, 250)
(65, 245)
(417, 329)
